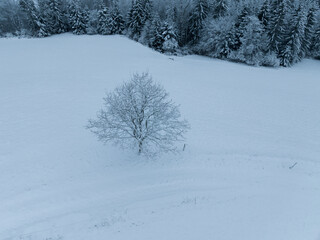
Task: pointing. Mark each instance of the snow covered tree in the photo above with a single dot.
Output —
(292, 51)
(239, 28)
(228, 44)
(28, 7)
(78, 18)
(250, 51)
(316, 43)
(140, 115)
(180, 10)
(155, 34)
(170, 43)
(309, 32)
(150, 31)
(277, 25)
(92, 25)
(172, 14)
(217, 38)
(220, 8)
(159, 35)
(115, 21)
(148, 10)
(136, 19)
(55, 17)
(103, 20)
(43, 29)
(85, 17)
(47, 15)
(198, 14)
(264, 13)
(36, 24)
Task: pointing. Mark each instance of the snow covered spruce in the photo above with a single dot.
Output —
(140, 115)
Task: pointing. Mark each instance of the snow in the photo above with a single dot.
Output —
(248, 127)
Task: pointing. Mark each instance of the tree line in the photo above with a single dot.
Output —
(255, 32)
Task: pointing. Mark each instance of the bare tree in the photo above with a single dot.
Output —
(140, 115)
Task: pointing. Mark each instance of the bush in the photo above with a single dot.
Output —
(140, 115)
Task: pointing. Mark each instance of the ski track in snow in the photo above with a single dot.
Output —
(248, 127)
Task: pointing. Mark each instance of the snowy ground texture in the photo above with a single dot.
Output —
(248, 126)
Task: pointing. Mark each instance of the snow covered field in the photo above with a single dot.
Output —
(234, 181)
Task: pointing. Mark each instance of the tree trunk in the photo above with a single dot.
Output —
(140, 148)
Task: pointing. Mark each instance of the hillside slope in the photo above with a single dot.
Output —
(234, 181)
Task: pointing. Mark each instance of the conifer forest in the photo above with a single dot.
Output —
(256, 32)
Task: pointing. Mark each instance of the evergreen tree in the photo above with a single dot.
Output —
(198, 14)
(92, 25)
(136, 19)
(148, 10)
(286, 58)
(155, 34)
(292, 51)
(217, 37)
(239, 29)
(43, 30)
(55, 18)
(181, 13)
(250, 51)
(220, 8)
(85, 17)
(30, 10)
(44, 11)
(228, 43)
(170, 43)
(309, 31)
(316, 43)
(103, 20)
(115, 21)
(172, 14)
(277, 25)
(35, 22)
(264, 13)
(78, 18)
(129, 14)
(145, 34)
